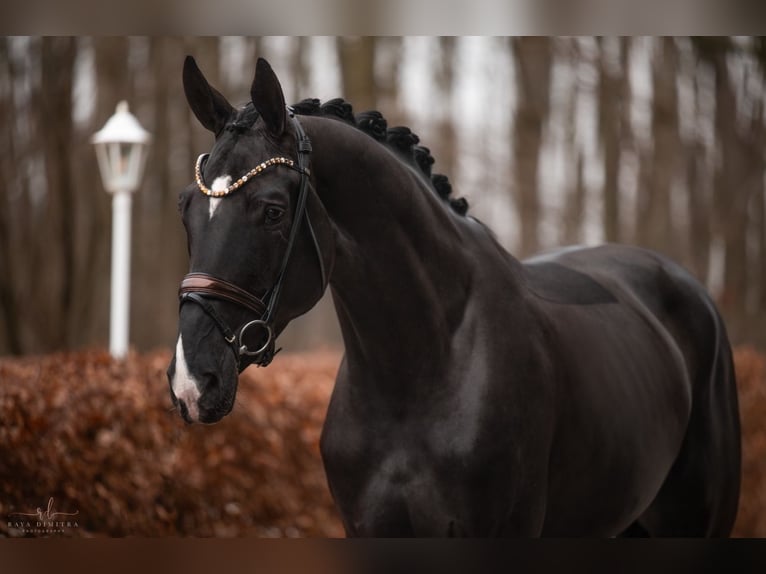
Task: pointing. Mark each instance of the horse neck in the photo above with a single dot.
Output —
(401, 276)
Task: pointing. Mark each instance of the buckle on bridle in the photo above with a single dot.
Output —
(243, 350)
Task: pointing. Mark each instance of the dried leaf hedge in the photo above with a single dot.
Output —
(101, 439)
(84, 434)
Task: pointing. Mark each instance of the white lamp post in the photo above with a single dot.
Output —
(121, 151)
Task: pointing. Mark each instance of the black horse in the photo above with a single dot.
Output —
(588, 392)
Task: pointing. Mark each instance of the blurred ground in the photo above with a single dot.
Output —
(100, 439)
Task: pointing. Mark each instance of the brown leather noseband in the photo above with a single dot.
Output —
(208, 285)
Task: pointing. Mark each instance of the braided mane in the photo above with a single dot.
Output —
(403, 141)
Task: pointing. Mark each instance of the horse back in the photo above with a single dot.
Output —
(644, 372)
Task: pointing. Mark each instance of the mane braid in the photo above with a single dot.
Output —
(373, 124)
(340, 109)
(460, 205)
(424, 159)
(400, 139)
(442, 185)
(307, 107)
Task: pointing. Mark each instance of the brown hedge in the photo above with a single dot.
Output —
(100, 438)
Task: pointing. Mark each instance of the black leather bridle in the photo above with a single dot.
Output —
(199, 287)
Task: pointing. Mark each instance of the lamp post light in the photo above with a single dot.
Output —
(121, 151)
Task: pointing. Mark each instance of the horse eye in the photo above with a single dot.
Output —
(274, 213)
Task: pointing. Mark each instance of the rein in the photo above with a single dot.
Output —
(199, 287)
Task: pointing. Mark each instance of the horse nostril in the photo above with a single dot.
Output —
(209, 382)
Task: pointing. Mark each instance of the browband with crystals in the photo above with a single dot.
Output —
(242, 180)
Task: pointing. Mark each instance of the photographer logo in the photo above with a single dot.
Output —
(43, 520)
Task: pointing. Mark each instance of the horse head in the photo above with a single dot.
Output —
(261, 246)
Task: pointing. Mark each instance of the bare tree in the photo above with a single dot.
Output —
(159, 248)
(357, 60)
(758, 48)
(533, 56)
(654, 216)
(698, 208)
(698, 182)
(388, 61)
(730, 205)
(575, 192)
(445, 146)
(10, 336)
(299, 70)
(54, 101)
(614, 128)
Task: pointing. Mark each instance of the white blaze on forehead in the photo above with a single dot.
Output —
(220, 184)
(184, 385)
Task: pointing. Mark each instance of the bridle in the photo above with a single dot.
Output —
(199, 287)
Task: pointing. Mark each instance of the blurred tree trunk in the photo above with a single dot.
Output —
(759, 210)
(654, 223)
(698, 207)
(155, 241)
(207, 52)
(357, 62)
(445, 144)
(21, 215)
(112, 73)
(256, 48)
(754, 148)
(388, 54)
(299, 72)
(614, 128)
(698, 188)
(730, 193)
(162, 68)
(9, 318)
(760, 207)
(55, 110)
(10, 338)
(759, 52)
(574, 203)
(533, 57)
(35, 230)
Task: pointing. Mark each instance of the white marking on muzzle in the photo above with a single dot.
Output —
(184, 385)
(219, 184)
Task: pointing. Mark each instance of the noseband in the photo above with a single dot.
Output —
(199, 287)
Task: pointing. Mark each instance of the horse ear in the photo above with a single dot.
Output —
(210, 107)
(268, 98)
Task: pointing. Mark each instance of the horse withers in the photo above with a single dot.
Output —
(587, 392)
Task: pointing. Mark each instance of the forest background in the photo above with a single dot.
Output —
(650, 141)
